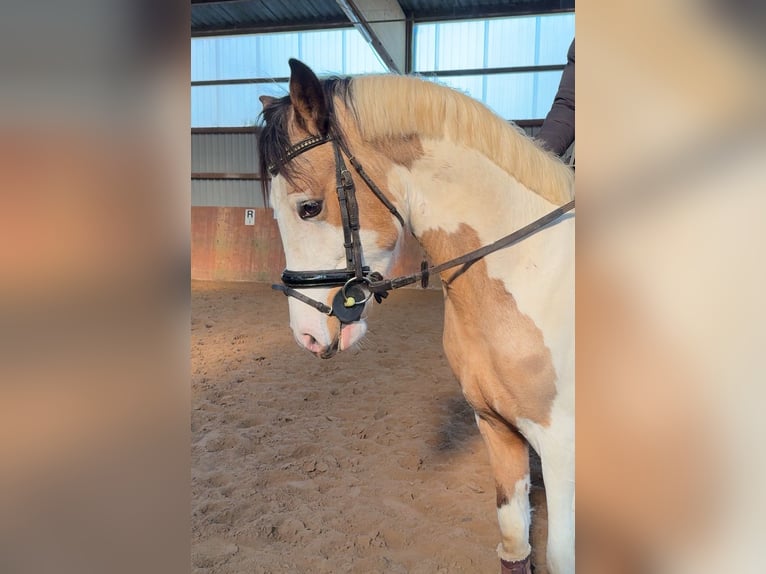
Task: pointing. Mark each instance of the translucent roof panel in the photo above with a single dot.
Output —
(520, 41)
(521, 96)
(263, 56)
(495, 43)
(230, 105)
(342, 51)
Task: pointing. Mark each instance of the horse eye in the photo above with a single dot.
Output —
(309, 209)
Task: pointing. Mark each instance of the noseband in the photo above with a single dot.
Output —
(357, 283)
(355, 280)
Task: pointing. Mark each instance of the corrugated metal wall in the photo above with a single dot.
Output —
(230, 154)
(224, 152)
(226, 193)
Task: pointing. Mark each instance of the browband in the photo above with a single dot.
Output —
(297, 149)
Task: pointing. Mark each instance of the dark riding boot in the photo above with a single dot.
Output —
(518, 567)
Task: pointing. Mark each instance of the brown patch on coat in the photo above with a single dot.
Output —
(498, 354)
(508, 456)
(502, 494)
(333, 323)
(403, 150)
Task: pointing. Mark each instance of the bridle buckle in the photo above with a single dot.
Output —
(346, 179)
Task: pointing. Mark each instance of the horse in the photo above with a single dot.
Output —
(431, 161)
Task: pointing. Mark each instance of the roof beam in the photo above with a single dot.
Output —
(382, 24)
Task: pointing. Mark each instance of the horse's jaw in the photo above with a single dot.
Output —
(321, 335)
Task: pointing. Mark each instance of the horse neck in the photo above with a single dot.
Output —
(458, 200)
(457, 196)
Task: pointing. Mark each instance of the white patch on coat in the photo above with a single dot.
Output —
(514, 519)
(555, 444)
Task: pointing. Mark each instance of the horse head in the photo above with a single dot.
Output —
(336, 232)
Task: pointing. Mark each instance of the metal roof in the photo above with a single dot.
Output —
(458, 9)
(232, 16)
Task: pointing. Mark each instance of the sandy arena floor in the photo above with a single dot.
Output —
(366, 462)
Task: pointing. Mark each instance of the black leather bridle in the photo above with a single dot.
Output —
(358, 284)
(355, 280)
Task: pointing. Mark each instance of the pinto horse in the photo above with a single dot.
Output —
(428, 160)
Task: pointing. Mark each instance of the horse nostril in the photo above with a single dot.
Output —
(311, 343)
(319, 349)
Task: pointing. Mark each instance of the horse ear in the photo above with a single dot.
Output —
(267, 101)
(307, 97)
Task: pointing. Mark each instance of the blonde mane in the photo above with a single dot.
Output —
(394, 106)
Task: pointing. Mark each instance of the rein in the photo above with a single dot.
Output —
(357, 283)
(471, 257)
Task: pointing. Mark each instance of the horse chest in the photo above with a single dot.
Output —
(514, 381)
